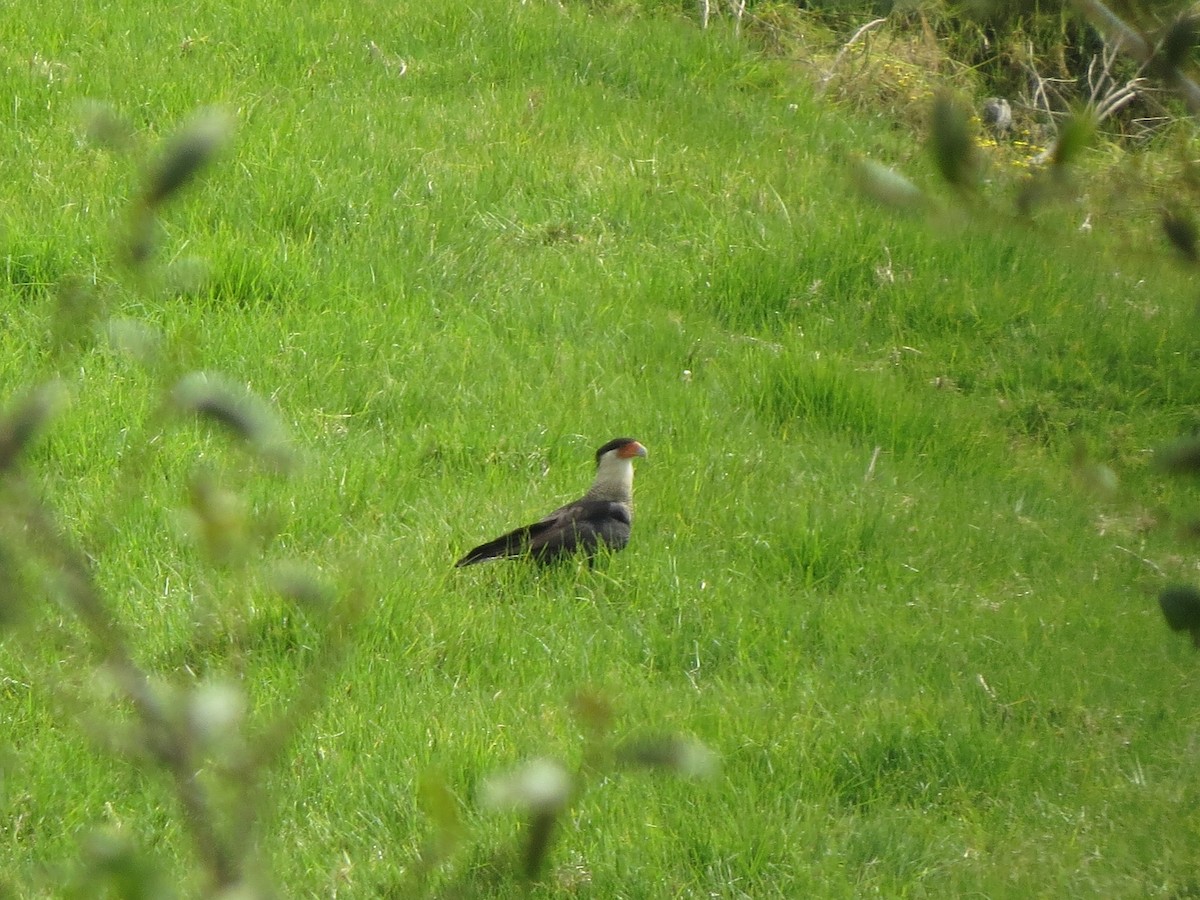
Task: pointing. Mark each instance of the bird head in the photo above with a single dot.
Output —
(620, 448)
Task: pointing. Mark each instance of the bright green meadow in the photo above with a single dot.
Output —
(880, 568)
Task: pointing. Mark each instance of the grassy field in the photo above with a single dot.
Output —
(461, 245)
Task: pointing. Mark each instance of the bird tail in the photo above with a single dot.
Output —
(504, 547)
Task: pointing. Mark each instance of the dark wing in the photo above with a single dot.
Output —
(582, 527)
(514, 543)
(579, 526)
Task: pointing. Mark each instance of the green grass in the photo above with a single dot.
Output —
(940, 674)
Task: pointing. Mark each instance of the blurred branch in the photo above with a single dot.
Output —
(1127, 38)
(194, 734)
(168, 739)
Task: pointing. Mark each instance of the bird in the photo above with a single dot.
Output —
(601, 517)
(997, 115)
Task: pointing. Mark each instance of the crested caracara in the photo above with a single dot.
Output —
(601, 517)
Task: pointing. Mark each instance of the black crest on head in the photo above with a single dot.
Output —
(614, 444)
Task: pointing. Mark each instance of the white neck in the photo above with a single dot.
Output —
(614, 479)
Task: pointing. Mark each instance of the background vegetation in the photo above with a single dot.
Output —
(898, 537)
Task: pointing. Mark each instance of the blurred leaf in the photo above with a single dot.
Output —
(216, 711)
(1099, 478)
(675, 754)
(1095, 476)
(143, 233)
(539, 785)
(542, 788)
(222, 526)
(1181, 457)
(22, 424)
(242, 891)
(183, 156)
(441, 806)
(16, 586)
(76, 310)
(302, 585)
(886, 186)
(982, 10)
(1032, 193)
(1180, 230)
(1075, 136)
(1180, 606)
(114, 867)
(1177, 46)
(953, 148)
(187, 152)
(187, 276)
(240, 412)
(104, 127)
(594, 711)
(132, 338)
